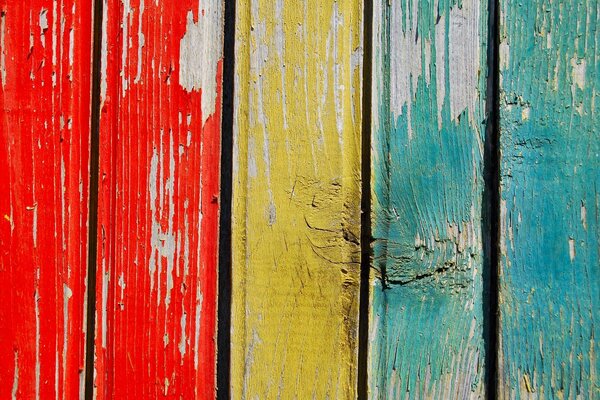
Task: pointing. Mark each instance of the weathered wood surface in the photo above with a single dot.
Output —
(158, 204)
(296, 211)
(45, 64)
(429, 83)
(550, 200)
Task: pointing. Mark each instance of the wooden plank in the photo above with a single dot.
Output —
(296, 190)
(45, 64)
(429, 83)
(550, 200)
(158, 204)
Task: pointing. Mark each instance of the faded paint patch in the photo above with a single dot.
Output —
(336, 24)
(578, 72)
(199, 54)
(280, 47)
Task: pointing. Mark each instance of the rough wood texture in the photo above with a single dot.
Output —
(550, 200)
(158, 204)
(296, 212)
(45, 64)
(429, 82)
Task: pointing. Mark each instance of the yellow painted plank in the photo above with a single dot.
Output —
(296, 211)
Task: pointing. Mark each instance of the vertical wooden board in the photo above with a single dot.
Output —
(550, 200)
(160, 125)
(428, 129)
(296, 211)
(45, 64)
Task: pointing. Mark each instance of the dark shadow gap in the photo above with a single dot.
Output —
(224, 290)
(491, 204)
(93, 202)
(365, 233)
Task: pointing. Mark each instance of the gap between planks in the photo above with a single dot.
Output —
(365, 205)
(491, 203)
(97, 16)
(224, 268)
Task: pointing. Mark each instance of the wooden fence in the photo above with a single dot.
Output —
(392, 199)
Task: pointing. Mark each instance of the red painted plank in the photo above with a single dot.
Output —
(45, 65)
(158, 199)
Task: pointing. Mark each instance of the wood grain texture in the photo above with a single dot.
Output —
(429, 84)
(158, 203)
(45, 64)
(296, 190)
(550, 200)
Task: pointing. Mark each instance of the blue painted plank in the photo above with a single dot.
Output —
(550, 202)
(429, 83)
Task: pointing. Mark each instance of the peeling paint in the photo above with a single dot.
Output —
(122, 285)
(43, 25)
(15, 385)
(127, 11)
(200, 52)
(183, 341)
(572, 249)
(34, 224)
(583, 213)
(141, 43)
(199, 300)
(440, 69)
(504, 55)
(3, 47)
(464, 58)
(104, 306)
(405, 69)
(162, 241)
(104, 56)
(71, 47)
(36, 298)
(67, 294)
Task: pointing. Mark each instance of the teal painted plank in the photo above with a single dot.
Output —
(550, 203)
(429, 81)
